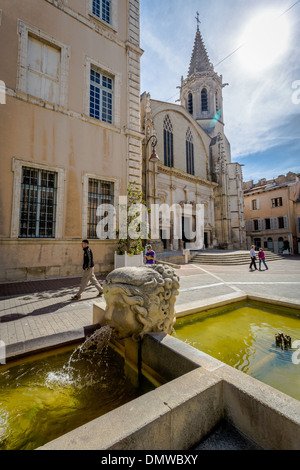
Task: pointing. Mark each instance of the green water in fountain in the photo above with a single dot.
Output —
(44, 397)
(243, 336)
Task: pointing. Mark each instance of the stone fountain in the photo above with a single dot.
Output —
(139, 301)
(197, 392)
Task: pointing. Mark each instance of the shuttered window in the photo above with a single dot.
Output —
(282, 222)
(43, 70)
(254, 205)
(277, 202)
(274, 223)
(261, 224)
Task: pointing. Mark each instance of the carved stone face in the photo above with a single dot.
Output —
(120, 316)
(140, 300)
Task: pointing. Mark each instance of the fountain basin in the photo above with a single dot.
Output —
(47, 395)
(242, 335)
(198, 392)
(201, 392)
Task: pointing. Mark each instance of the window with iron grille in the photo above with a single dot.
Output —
(99, 193)
(101, 96)
(168, 142)
(38, 203)
(102, 9)
(189, 153)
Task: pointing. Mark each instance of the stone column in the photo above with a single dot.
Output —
(133, 131)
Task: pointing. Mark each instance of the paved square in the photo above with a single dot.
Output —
(35, 309)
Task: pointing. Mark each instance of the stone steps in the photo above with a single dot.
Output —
(233, 258)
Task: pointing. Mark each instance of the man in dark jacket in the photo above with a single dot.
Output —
(89, 274)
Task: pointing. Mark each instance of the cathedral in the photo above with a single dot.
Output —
(195, 164)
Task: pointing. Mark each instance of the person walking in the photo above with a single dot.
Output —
(262, 258)
(89, 272)
(150, 255)
(253, 258)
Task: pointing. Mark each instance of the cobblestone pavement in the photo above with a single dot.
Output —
(34, 309)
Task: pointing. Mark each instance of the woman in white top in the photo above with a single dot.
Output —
(253, 258)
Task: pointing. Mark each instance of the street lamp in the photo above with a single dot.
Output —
(154, 159)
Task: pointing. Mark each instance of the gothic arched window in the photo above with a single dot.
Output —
(168, 142)
(190, 103)
(189, 152)
(204, 100)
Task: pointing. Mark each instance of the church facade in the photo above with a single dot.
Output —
(195, 166)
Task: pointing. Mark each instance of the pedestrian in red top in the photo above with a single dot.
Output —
(262, 258)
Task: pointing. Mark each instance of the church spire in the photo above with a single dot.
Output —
(200, 61)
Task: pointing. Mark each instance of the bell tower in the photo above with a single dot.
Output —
(201, 94)
(201, 91)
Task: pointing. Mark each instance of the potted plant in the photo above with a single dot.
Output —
(130, 249)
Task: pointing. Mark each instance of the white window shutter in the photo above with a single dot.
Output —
(261, 224)
(285, 221)
(52, 59)
(257, 204)
(43, 70)
(34, 67)
(35, 55)
(274, 223)
(34, 84)
(51, 91)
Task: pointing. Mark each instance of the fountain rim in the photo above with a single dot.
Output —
(46, 343)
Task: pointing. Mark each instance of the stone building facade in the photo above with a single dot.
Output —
(297, 214)
(70, 129)
(195, 158)
(272, 211)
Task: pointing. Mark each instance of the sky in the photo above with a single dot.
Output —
(255, 46)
